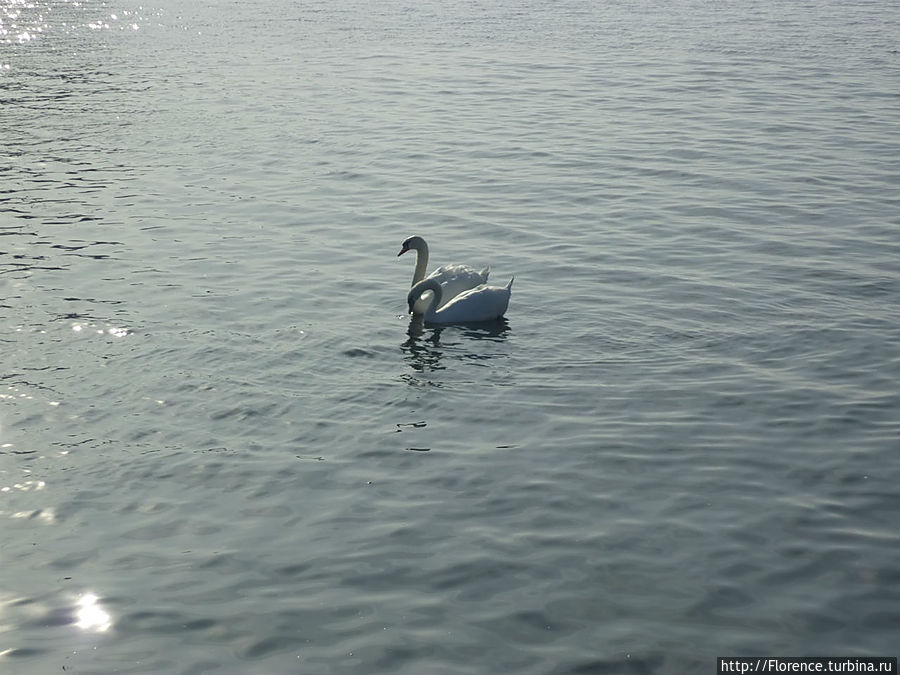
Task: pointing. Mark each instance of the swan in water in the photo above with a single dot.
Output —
(482, 303)
(453, 279)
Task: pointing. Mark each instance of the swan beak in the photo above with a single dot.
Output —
(403, 250)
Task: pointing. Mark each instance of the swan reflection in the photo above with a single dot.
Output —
(425, 350)
(496, 330)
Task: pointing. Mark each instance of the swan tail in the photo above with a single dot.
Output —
(509, 285)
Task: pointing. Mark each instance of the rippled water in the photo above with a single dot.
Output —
(224, 448)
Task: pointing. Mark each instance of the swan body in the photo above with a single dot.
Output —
(482, 303)
(453, 279)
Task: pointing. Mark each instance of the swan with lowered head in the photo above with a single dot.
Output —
(482, 303)
(453, 279)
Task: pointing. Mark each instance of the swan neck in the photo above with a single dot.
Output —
(436, 295)
(421, 262)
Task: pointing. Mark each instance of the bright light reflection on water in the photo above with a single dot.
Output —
(91, 615)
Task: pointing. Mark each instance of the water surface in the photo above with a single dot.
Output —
(225, 449)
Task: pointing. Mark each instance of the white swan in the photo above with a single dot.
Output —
(482, 303)
(454, 279)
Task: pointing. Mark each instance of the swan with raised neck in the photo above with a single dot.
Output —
(454, 279)
(417, 244)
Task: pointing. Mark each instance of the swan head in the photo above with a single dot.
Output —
(414, 242)
(418, 289)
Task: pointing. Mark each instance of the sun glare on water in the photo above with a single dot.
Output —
(91, 615)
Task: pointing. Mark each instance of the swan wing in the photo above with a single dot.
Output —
(482, 303)
(454, 279)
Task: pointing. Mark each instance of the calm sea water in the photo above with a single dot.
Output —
(225, 449)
